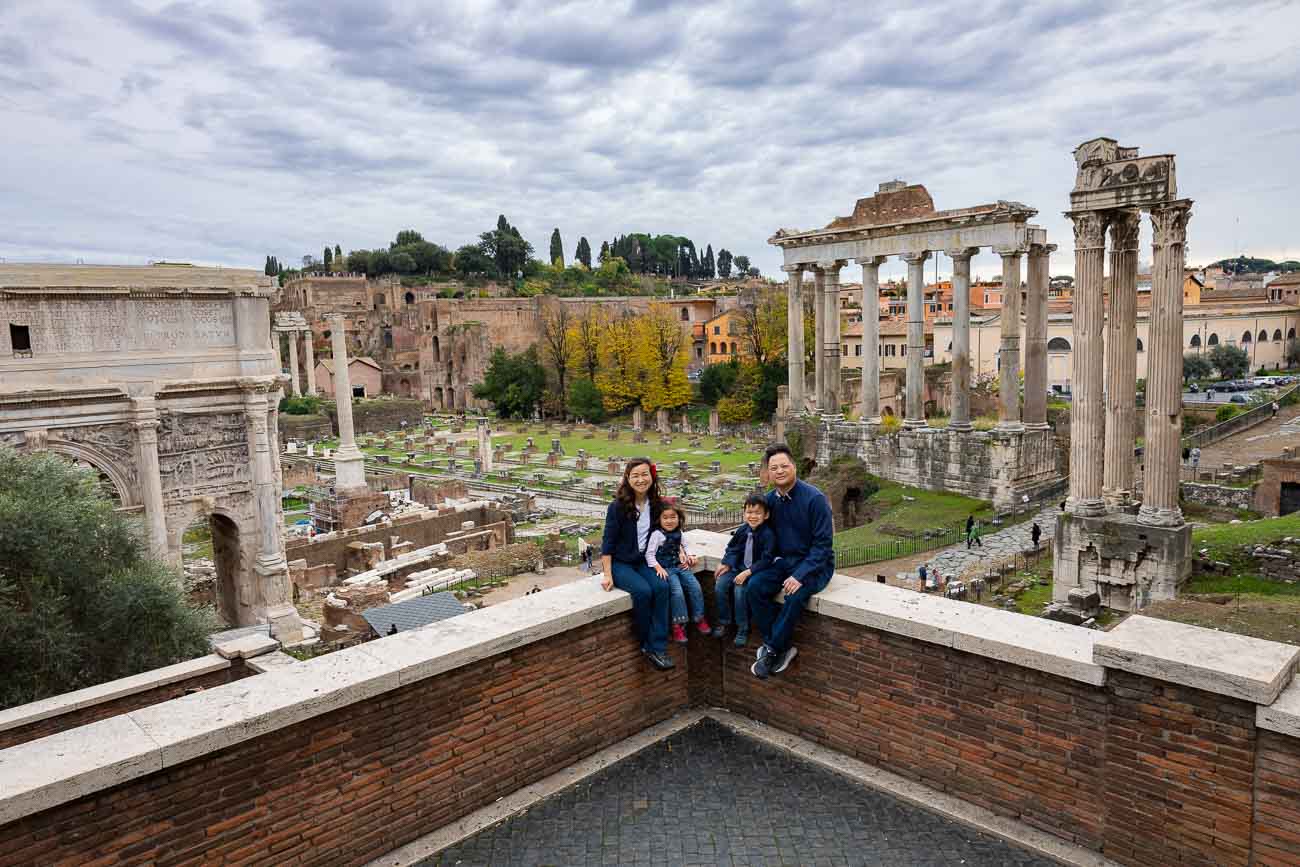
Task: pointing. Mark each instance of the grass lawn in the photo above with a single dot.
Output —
(1224, 541)
(925, 510)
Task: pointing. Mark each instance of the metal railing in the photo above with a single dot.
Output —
(1236, 424)
(856, 555)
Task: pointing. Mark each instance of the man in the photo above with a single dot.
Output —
(801, 517)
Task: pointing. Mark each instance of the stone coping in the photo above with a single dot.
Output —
(1283, 715)
(1220, 662)
(58, 705)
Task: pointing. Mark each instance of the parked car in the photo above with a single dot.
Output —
(1193, 388)
(1239, 398)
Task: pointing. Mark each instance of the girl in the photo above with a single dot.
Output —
(666, 553)
(628, 521)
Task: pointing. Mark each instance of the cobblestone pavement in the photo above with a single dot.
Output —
(708, 796)
(956, 560)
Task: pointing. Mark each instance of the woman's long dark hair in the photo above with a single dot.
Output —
(627, 496)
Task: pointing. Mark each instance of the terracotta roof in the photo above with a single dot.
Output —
(328, 363)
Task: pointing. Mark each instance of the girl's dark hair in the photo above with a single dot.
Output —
(681, 514)
(756, 500)
(627, 497)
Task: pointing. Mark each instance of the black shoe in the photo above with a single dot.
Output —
(660, 661)
(782, 661)
(762, 668)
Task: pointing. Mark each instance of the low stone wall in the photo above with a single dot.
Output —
(379, 416)
(985, 465)
(1218, 496)
(1157, 743)
(39, 719)
(304, 427)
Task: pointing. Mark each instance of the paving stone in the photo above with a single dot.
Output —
(710, 796)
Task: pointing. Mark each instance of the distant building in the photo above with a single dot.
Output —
(365, 374)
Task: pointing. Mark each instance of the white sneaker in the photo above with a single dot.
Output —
(762, 651)
(784, 661)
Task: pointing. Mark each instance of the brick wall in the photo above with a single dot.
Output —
(125, 704)
(356, 783)
(1268, 490)
(1277, 800)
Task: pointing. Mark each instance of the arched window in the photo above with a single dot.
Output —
(1196, 341)
(733, 347)
(1140, 349)
(1290, 334)
(1213, 341)
(1263, 336)
(1058, 344)
(1277, 335)
(713, 349)
(1245, 338)
(388, 339)
(686, 315)
(410, 297)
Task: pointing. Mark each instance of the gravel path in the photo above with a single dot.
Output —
(956, 560)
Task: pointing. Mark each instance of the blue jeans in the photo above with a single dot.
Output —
(684, 587)
(777, 622)
(649, 602)
(722, 590)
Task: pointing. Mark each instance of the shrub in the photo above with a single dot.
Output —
(891, 424)
(735, 410)
(1226, 412)
(307, 404)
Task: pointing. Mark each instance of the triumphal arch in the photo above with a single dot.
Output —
(165, 380)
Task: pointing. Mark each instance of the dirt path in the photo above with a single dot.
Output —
(1262, 441)
(1273, 618)
(520, 584)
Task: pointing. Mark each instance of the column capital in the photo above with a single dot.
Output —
(1010, 252)
(1124, 226)
(1039, 251)
(871, 261)
(830, 265)
(1169, 222)
(961, 254)
(794, 269)
(915, 258)
(1089, 229)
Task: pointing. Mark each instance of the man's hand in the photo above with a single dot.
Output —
(721, 570)
(742, 577)
(791, 585)
(606, 582)
(691, 560)
(661, 572)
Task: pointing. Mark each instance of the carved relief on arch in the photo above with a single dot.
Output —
(109, 448)
(203, 453)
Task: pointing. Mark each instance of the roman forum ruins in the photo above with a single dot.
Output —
(1130, 552)
(1019, 456)
(164, 380)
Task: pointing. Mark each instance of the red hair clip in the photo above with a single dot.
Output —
(654, 472)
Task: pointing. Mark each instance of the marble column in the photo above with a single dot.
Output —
(144, 418)
(961, 372)
(819, 337)
(293, 361)
(830, 402)
(273, 594)
(310, 360)
(349, 462)
(1009, 351)
(1164, 403)
(871, 338)
(914, 413)
(1036, 337)
(1087, 414)
(1121, 360)
(794, 338)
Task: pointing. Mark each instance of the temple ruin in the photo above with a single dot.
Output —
(165, 381)
(1130, 552)
(1016, 459)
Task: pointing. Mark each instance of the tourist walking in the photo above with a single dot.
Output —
(975, 532)
(801, 518)
(628, 520)
(970, 528)
(1036, 533)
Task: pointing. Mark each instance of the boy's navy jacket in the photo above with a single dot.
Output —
(764, 548)
(620, 541)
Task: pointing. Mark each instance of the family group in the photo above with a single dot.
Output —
(783, 545)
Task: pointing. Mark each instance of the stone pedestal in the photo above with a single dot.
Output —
(715, 424)
(1129, 564)
(638, 419)
(661, 422)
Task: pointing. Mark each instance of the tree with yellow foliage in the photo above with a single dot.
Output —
(586, 334)
(664, 358)
(621, 374)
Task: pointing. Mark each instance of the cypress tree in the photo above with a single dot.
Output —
(557, 249)
(584, 252)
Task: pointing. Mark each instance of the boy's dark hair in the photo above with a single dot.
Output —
(778, 449)
(673, 507)
(756, 500)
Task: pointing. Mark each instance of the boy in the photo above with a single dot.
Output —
(751, 549)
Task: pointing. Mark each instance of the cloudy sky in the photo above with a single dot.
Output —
(220, 132)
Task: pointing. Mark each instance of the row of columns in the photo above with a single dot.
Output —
(1104, 417)
(827, 360)
(294, 375)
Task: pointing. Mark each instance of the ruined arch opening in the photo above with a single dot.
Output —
(223, 546)
(409, 297)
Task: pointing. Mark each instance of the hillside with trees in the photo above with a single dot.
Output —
(1248, 265)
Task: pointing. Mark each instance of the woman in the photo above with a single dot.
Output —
(628, 522)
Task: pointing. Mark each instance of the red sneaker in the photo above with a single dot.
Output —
(703, 626)
(679, 634)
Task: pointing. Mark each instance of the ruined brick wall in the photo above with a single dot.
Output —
(1276, 819)
(380, 416)
(304, 427)
(420, 531)
(127, 703)
(354, 784)
(1268, 491)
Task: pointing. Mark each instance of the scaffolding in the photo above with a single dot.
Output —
(323, 509)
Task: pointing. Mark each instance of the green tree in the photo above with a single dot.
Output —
(471, 260)
(403, 263)
(557, 249)
(1196, 366)
(1230, 361)
(338, 257)
(507, 248)
(81, 602)
(359, 261)
(269, 270)
(724, 263)
(583, 254)
(742, 265)
(604, 251)
(514, 383)
(717, 380)
(586, 401)
(710, 267)
(404, 237)
(328, 259)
